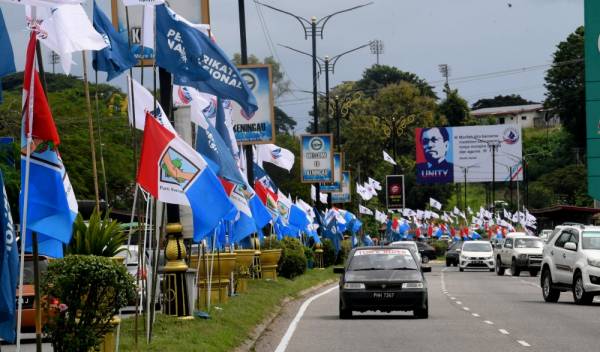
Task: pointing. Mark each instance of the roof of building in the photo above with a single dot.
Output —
(507, 110)
(564, 208)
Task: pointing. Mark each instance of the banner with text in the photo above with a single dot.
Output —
(467, 154)
(394, 191)
(317, 158)
(258, 128)
(336, 185)
(345, 196)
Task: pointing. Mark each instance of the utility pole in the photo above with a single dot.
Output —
(244, 60)
(377, 48)
(493, 146)
(445, 71)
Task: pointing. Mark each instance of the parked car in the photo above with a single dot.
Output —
(426, 251)
(382, 279)
(571, 261)
(519, 252)
(544, 234)
(410, 245)
(476, 254)
(453, 253)
(28, 317)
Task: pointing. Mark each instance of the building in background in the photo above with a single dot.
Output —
(526, 116)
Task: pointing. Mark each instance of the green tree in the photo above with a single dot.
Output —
(455, 109)
(565, 82)
(281, 85)
(501, 100)
(379, 76)
(285, 124)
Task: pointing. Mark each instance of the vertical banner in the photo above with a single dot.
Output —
(142, 17)
(345, 196)
(394, 192)
(592, 94)
(259, 128)
(338, 165)
(316, 158)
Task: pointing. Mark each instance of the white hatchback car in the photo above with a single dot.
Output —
(476, 254)
(571, 262)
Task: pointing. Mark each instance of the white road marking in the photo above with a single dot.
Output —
(458, 302)
(475, 315)
(488, 322)
(452, 298)
(467, 308)
(285, 340)
(523, 343)
(502, 331)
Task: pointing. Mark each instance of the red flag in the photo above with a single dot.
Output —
(267, 197)
(43, 124)
(418, 232)
(452, 231)
(429, 230)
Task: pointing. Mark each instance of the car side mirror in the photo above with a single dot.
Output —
(458, 250)
(338, 269)
(571, 246)
(426, 269)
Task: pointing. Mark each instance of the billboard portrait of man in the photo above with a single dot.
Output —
(434, 155)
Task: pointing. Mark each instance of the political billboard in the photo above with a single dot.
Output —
(345, 196)
(469, 154)
(316, 161)
(592, 94)
(259, 127)
(336, 185)
(394, 192)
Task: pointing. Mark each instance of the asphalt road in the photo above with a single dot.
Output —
(469, 311)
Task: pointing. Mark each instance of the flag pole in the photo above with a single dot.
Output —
(29, 140)
(88, 103)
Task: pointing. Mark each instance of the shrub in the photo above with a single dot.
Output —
(440, 247)
(90, 290)
(293, 261)
(310, 256)
(345, 249)
(329, 256)
(102, 237)
(271, 242)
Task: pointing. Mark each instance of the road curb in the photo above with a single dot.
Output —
(259, 330)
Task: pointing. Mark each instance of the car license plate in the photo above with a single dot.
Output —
(383, 295)
(477, 262)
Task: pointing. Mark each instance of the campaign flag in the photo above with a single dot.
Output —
(260, 213)
(173, 172)
(9, 268)
(388, 158)
(313, 195)
(380, 217)
(375, 184)
(284, 205)
(7, 63)
(370, 189)
(224, 125)
(144, 102)
(52, 206)
(66, 29)
(116, 57)
(299, 218)
(435, 204)
(48, 3)
(239, 194)
(195, 60)
(261, 176)
(268, 198)
(307, 208)
(275, 155)
(364, 210)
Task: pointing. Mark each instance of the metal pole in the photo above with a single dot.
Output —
(329, 200)
(526, 177)
(313, 23)
(244, 59)
(465, 170)
(337, 122)
(86, 89)
(493, 178)
(394, 144)
(511, 186)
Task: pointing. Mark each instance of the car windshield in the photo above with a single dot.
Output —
(477, 247)
(382, 259)
(28, 271)
(590, 240)
(528, 243)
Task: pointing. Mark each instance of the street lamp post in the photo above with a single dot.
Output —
(493, 145)
(465, 169)
(315, 26)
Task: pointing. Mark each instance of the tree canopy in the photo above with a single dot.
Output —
(500, 100)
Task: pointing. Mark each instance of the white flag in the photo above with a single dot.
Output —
(284, 205)
(273, 154)
(313, 195)
(370, 189)
(306, 207)
(65, 29)
(144, 102)
(375, 184)
(455, 211)
(364, 210)
(381, 217)
(388, 158)
(419, 214)
(47, 3)
(435, 204)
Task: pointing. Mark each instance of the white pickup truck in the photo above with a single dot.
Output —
(519, 252)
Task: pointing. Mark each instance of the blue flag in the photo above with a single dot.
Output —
(210, 144)
(7, 62)
(116, 57)
(9, 269)
(261, 176)
(196, 61)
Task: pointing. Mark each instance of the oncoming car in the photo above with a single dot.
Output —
(476, 254)
(382, 279)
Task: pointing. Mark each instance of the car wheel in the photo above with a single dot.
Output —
(345, 313)
(550, 294)
(422, 313)
(499, 268)
(579, 294)
(425, 259)
(447, 262)
(514, 269)
(461, 269)
(455, 263)
(533, 273)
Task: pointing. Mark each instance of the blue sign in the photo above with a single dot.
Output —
(345, 196)
(336, 185)
(317, 158)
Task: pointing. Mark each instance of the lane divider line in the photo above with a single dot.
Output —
(475, 315)
(285, 340)
(458, 302)
(467, 308)
(488, 322)
(504, 332)
(523, 343)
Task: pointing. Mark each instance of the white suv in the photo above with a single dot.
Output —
(476, 254)
(572, 262)
(519, 252)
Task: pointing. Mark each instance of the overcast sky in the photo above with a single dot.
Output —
(473, 37)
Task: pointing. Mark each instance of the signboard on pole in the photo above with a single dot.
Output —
(140, 19)
(394, 192)
(338, 165)
(443, 153)
(345, 196)
(259, 128)
(592, 94)
(316, 161)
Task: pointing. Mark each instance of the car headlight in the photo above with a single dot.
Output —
(354, 286)
(522, 256)
(412, 285)
(463, 257)
(594, 262)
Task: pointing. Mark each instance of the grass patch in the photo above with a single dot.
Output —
(229, 326)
